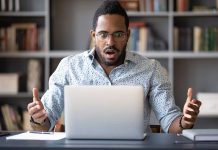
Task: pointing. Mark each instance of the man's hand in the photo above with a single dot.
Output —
(36, 109)
(190, 110)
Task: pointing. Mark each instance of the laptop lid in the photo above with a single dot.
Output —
(104, 112)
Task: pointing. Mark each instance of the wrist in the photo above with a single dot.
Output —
(44, 126)
(181, 124)
(33, 121)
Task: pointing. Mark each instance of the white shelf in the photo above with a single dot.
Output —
(195, 13)
(149, 14)
(153, 54)
(23, 54)
(24, 14)
(63, 53)
(19, 95)
(190, 55)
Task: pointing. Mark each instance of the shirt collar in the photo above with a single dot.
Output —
(91, 54)
(130, 57)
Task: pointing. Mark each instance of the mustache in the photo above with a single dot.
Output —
(110, 48)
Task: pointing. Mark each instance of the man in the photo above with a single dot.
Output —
(108, 63)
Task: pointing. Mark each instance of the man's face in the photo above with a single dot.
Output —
(110, 39)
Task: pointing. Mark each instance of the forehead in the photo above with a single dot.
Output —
(110, 23)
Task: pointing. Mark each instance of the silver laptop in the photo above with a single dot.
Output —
(104, 112)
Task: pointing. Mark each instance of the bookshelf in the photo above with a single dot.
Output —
(67, 25)
(28, 44)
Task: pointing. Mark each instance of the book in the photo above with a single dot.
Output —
(176, 38)
(3, 39)
(143, 39)
(216, 4)
(10, 39)
(10, 5)
(141, 5)
(197, 34)
(17, 5)
(25, 36)
(160, 5)
(3, 5)
(184, 39)
(41, 44)
(11, 117)
(9, 83)
(182, 5)
(201, 134)
(134, 41)
(130, 5)
(34, 72)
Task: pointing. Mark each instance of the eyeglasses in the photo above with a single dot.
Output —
(117, 36)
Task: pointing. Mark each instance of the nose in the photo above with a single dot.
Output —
(110, 40)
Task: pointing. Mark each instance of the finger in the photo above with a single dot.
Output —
(35, 109)
(30, 105)
(196, 102)
(35, 94)
(40, 119)
(191, 114)
(189, 121)
(39, 115)
(189, 95)
(193, 107)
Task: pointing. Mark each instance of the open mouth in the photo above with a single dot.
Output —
(110, 54)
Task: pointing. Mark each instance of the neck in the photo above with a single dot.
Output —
(107, 69)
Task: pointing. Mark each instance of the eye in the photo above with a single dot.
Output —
(103, 35)
(118, 34)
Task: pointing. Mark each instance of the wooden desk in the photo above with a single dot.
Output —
(153, 141)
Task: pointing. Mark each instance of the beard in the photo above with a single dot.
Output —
(110, 56)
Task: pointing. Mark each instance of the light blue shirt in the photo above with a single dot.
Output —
(83, 69)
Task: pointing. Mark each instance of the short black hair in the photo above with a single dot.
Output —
(110, 7)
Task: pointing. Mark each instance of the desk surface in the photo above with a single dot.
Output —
(153, 141)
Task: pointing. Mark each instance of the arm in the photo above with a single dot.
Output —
(47, 111)
(39, 118)
(161, 98)
(190, 113)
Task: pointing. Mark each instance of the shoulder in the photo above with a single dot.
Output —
(79, 57)
(141, 59)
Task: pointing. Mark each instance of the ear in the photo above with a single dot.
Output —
(92, 34)
(92, 38)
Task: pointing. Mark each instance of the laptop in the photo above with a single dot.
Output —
(104, 112)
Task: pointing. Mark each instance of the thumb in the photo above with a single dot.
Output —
(189, 95)
(35, 94)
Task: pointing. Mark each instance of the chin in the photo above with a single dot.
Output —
(111, 63)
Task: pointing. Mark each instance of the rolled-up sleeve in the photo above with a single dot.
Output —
(161, 97)
(53, 99)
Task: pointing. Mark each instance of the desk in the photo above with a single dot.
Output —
(153, 141)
